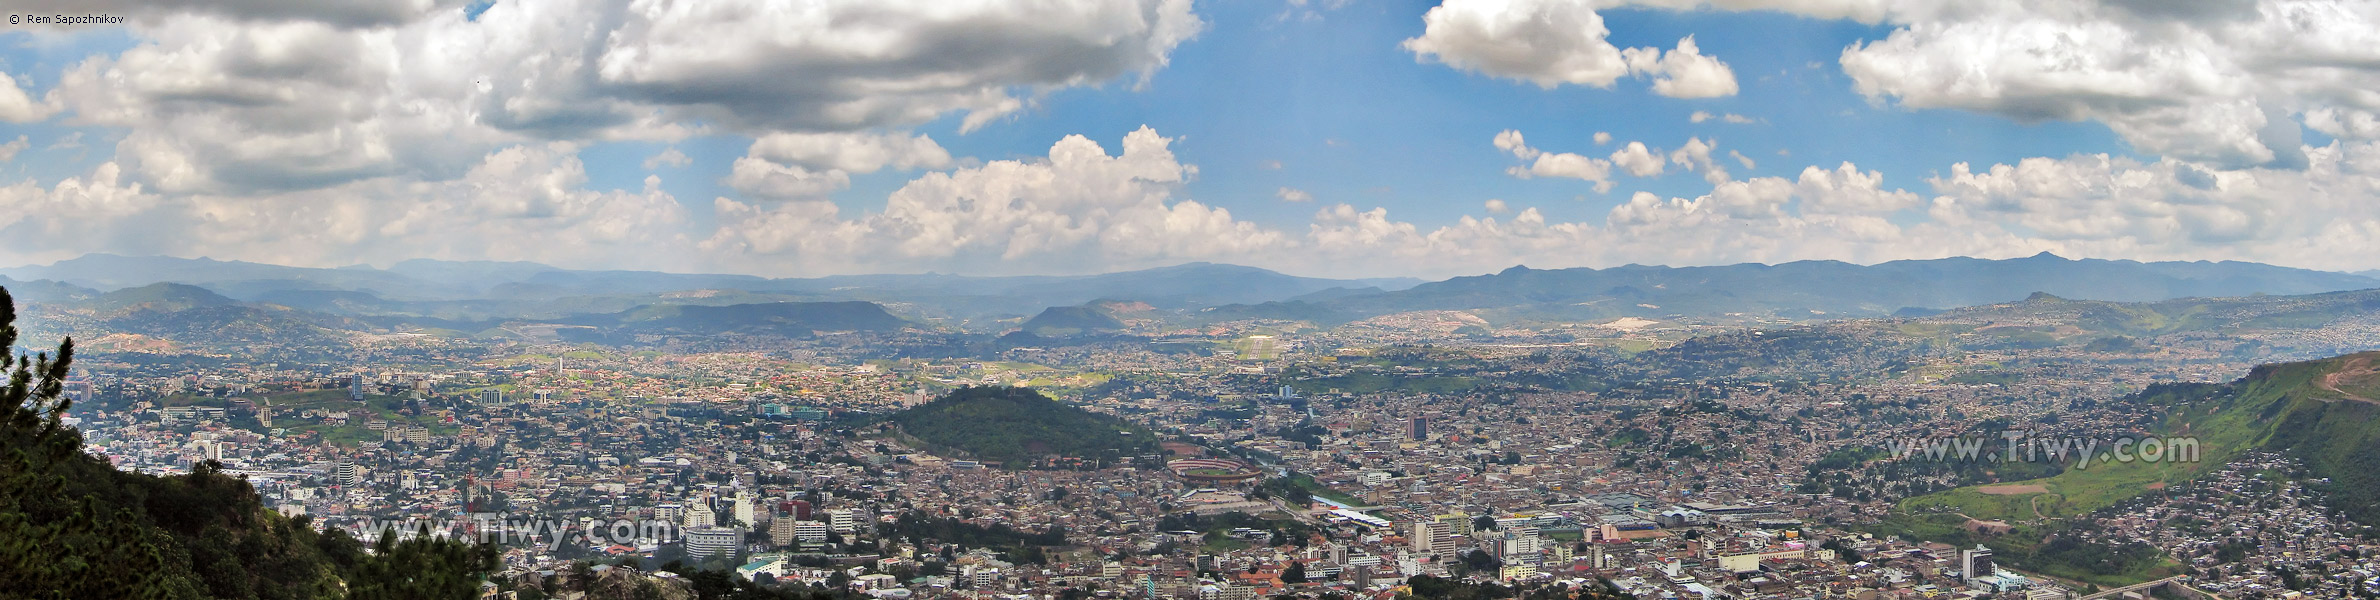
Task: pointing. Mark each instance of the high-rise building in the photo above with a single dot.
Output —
(708, 542)
(1976, 563)
(1425, 536)
(1417, 428)
(355, 387)
(1522, 545)
(809, 531)
(1456, 523)
(781, 532)
(698, 514)
(743, 509)
(798, 509)
(346, 472)
(846, 520)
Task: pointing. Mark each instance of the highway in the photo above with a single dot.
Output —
(2137, 587)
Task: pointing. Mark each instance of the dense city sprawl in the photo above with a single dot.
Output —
(1654, 461)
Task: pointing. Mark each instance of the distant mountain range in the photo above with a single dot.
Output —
(1814, 288)
(787, 319)
(493, 290)
(491, 298)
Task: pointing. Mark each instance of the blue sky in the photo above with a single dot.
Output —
(1351, 117)
(380, 132)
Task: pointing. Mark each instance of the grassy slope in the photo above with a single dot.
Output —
(2277, 407)
(2223, 427)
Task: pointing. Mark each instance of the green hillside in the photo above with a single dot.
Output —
(2325, 413)
(2321, 412)
(1018, 426)
(1072, 320)
(782, 318)
(166, 297)
(71, 526)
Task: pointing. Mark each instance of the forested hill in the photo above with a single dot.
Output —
(1072, 320)
(72, 526)
(1018, 426)
(2326, 413)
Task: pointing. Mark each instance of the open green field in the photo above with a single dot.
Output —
(2069, 494)
(1217, 543)
(2032, 549)
(1634, 346)
(2220, 430)
(2311, 409)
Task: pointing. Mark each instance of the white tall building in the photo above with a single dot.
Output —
(809, 531)
(346, 472)
(846, 520)
(1976, 563)
(743, 509)
(1522, 545)
(698, 514)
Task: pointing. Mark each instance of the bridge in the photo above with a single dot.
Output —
(2179, 583)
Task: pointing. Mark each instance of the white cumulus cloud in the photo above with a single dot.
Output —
(8, 151)
(1079, 206)
(781, 166)
(269, 96)
(668, 157)
(518, 203)
(2226, 83)
(1554, 42)
(18, 106)
(1683, 72)
(1639, 160)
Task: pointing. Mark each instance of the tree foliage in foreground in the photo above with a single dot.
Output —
(72, 526)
